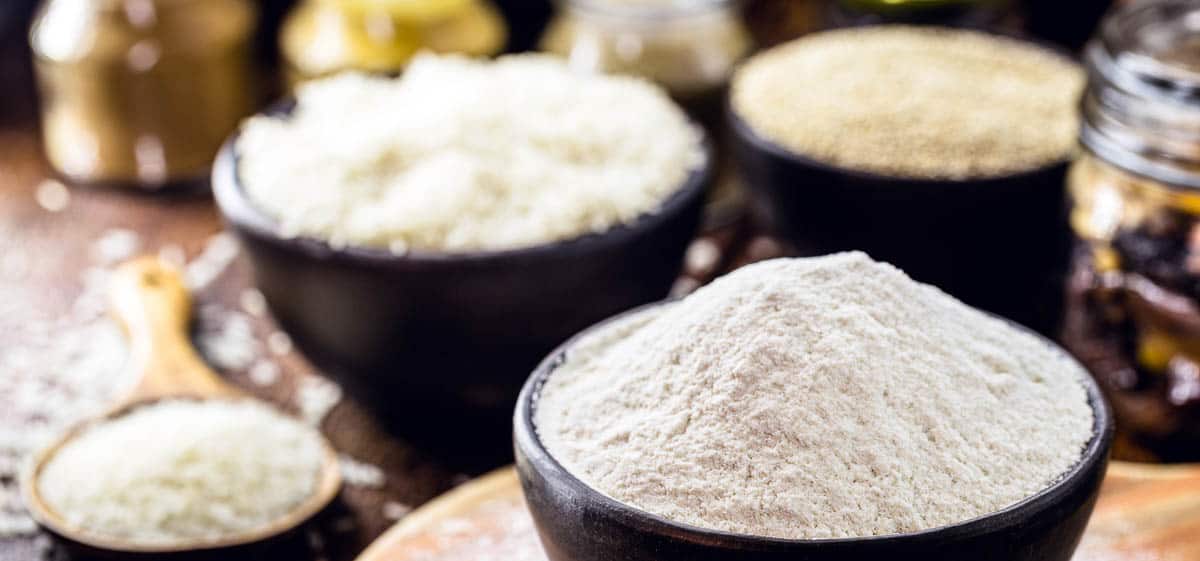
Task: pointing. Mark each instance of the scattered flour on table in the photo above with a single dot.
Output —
(816, 398)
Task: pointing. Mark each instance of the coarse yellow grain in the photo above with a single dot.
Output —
(914, 102)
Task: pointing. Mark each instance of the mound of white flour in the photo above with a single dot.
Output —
(816, 398)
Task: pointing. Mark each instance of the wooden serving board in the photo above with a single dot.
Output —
(1145, 513)
(484, 519)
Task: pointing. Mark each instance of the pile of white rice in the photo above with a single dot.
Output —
(183, 470)
(461, 155)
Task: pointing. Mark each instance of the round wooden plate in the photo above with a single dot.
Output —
(1145, 513)
(482, 519)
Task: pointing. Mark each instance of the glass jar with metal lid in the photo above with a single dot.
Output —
(322, 37)
(142, 92)
(1134, 295)
(690, 48)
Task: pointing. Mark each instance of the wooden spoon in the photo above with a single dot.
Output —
(148, 297)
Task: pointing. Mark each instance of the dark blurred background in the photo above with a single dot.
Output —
(1065, 23)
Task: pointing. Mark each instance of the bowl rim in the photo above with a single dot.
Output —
(529, 444)
(240, 212)
(745, 132)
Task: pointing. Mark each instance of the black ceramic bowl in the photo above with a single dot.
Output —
(1000, 244)
(438, 345)
(578, 523)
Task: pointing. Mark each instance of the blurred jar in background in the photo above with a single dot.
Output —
(141, 92)
(322, 37)
(690, 48)
(1134, 295)
(964, 13)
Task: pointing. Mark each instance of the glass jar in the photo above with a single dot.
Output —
(1134, 295)
(689, 48)
(141, 92)
(322, 37)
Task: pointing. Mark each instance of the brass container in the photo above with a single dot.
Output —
(141, 92)
(322, 37)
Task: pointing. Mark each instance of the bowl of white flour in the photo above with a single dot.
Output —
(823, 409)
(407, 231)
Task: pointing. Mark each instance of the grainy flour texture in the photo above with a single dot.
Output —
(914, 102)
(816, 398)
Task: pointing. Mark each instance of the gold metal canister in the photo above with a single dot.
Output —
(322, 37)
(141, 92)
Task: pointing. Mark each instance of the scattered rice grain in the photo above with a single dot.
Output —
(393, 510)
(173, 255)
(316, 397)
(52, 195)
(253, 302)
(279, 343)
(115, 245)
(219, 251)
(264, 373)
(226, 338)
(361, 474)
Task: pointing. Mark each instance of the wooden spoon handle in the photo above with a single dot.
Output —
(149, 299)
